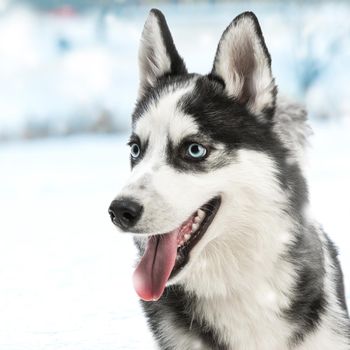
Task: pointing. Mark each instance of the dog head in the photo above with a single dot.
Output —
(206, 162)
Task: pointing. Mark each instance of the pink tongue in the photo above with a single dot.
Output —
(154, 269)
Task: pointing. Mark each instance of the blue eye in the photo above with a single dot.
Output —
(196, 151)
(135, 150)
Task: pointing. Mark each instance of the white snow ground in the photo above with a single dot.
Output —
(65, 274)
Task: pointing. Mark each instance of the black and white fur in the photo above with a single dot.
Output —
(264, 276)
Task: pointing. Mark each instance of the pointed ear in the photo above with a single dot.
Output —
(157, 53)
(243, 62)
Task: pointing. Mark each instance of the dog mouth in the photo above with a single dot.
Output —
(167, 254)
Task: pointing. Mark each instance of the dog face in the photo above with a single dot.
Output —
(204, 156)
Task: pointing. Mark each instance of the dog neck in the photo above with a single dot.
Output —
(241, 282)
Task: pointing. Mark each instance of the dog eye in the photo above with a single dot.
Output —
(135, 150)
(196, 151)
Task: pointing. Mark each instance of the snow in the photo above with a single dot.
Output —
(66, 273)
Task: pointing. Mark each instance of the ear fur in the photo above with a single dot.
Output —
(157, 53)
(243, 62)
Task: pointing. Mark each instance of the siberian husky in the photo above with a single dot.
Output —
(218, 204)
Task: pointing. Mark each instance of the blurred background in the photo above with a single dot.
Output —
(68, 83)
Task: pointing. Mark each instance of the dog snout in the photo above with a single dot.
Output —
(125, 212)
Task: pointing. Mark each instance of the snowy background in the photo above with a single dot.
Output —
(68, 79)
(65, 70)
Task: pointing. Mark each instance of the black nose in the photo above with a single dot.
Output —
(125, 212)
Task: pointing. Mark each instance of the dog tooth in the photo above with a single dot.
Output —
(200, 213)
(187, 236)
(200, 220)
(194, 227)
(197, 219)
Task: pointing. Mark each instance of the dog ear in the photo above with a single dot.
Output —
(157, 53)
(243, 62)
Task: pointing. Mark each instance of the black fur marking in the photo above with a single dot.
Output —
(177, 64)
(152, 94)
(297, 188)
(215, 78)
(308, 298)
(340, 288)
(178, 306)
(223, 118)
(339, 274)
